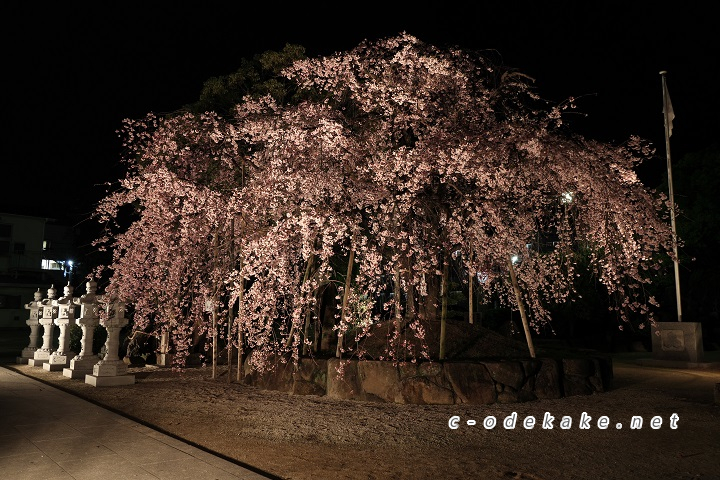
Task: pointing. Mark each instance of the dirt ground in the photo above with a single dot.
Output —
(311, 437)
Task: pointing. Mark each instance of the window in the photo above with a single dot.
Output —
(19, 248)
(50, 265)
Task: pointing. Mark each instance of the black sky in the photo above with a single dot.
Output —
(74, 70)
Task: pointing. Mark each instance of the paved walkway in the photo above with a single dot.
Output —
(47, 433)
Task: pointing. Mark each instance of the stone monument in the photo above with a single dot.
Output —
(48, 313)
(83, 363)
(678, 341)
(111, 370)
(65, 320)
(34, 323)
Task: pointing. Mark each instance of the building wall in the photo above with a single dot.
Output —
(22, 252)
(21, 243)
(12, 299)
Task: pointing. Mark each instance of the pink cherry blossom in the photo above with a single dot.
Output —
(400, 152)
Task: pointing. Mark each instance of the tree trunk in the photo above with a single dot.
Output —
(214, 339)
(230, 307)
(308, 310)
(346, 293)
(518, 297)
(241, 338)
(444, 296)
(471, 282)
(238, 375)
(410, 311)
(398, 309)
(308, 268)
(427, 304)
(215, 310)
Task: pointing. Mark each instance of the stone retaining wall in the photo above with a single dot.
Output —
(478, 382)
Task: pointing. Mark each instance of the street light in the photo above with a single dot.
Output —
(69, 264)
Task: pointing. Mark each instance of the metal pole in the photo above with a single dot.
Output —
(666, 103)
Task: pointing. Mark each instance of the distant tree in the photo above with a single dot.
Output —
(257, 77)
(696, 183)
(396, 159)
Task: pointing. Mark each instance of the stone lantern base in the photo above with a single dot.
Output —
(96, 381)
(109, 373)
(40, 357)
(80, 366)
(57, 362)
(27, 354)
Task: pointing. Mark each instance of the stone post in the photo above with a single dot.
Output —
(65, 320)
(34, 323)
(111, 370)
(83, 363)
(49, 313)
(164, 358)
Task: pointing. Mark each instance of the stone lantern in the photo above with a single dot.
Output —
(111, 370)
(48, 313)
(60, 358)
(34, 323)
(83, 363)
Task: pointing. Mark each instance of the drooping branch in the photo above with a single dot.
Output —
(421, 149)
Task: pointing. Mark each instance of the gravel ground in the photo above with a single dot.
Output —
(311, 437)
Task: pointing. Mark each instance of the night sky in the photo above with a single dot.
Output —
(73, 71)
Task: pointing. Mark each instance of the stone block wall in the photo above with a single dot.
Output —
(440, 383)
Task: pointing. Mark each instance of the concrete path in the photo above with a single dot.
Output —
(47, 433)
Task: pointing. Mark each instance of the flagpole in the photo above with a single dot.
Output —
(667, 110)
